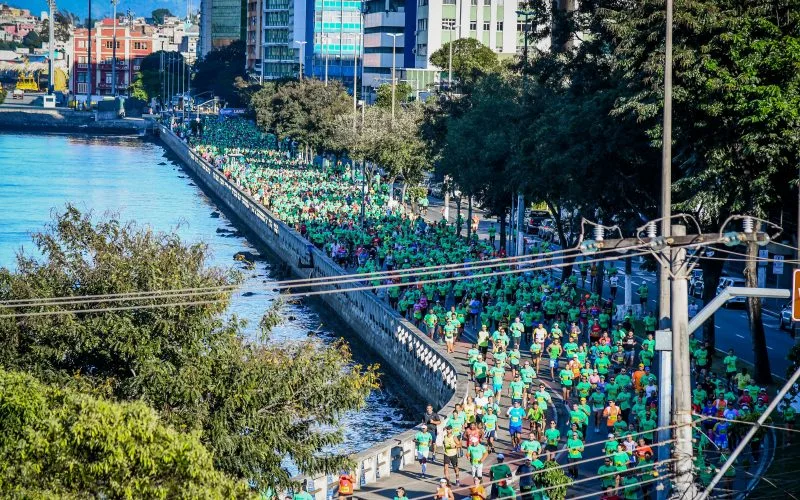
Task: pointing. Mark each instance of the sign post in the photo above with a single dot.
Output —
(796, 295)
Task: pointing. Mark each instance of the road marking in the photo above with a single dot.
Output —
(770, 348)
(740, 336)
(718, 327)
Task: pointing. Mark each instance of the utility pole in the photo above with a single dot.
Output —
(89, 59)
(394, 59)
(355, 82)
(666, 176)
(302, 45)
(681, 371)
(114, 50)
(51, 45)
(520, 224)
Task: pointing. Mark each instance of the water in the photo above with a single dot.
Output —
(135, 179)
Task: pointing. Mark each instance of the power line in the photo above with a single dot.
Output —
(289, 296)
(454, 278)
(107, 309)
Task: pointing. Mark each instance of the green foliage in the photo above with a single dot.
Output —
(62, 28)
(402, 94)
(137, 89)
(3, 95)
(242, 399)
(260, 105)
(158, 15)
(553, 476)
(218, 70)
(32, 40)
(57, 443)
(306, 111)
(471, 60)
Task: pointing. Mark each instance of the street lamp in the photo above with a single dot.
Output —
(302, 45)
(325, 49)
(450, 59)
(394, 58)
(114, 51)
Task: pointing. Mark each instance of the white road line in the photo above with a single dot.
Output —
(718, 327)
(740, 336)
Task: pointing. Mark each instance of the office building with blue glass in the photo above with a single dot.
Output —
(333, 40)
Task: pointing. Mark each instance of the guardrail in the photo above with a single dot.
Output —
(419, 361)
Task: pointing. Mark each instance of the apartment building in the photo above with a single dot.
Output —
(387, 26)
(221, 23)
(133, 44)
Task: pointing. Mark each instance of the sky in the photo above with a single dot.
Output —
(102, 8)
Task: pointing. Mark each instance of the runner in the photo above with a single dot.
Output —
(424, 441)
(451, 448)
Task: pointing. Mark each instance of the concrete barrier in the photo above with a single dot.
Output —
(423, 366)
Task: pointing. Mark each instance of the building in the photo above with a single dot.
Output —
(221, 23)
(133, 44)
(280, 55)
(333, 40)
(255, 35)
(387, 26)
(176, 35)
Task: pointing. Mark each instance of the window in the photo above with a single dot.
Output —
(473, 2)
(82, 88)
(487, 25)
(473, 25)
(449, 2)
(108, 78)
(448, 23)
(422, 24)
(81, 77)
(487, 3)
(423, 3)
(110, 44)
(499, 25)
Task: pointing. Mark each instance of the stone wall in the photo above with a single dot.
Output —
(27, 118)
(422, 365)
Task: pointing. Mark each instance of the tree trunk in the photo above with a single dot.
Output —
(601, 275)
(628, 282)
(712, 270)
(458, 217)
(503, 231)
(469, 218)
(762, 373)
(562, 238)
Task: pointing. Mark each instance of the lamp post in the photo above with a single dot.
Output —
(325, 41)
(52, 43)
(355, 79)
(114, 51)
(302, 45)
(394, 77)
(89, 59)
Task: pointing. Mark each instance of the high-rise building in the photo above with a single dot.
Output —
(492, 22)
(255, 35)
(387, 26)
(334, 39)
(279, 58)
(221, 23)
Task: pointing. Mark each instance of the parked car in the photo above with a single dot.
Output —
(17, 94)
(727, 281)
(786, 316)
(535, 219)
(547, 229)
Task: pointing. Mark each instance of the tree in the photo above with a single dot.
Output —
(218, 70)
(253, 405)
(32, 40)
(260, 105)
(158, 15)
(402, 94)
(471, 60)
(59, 443)
(736, 107)
(137, 89)
(306, 111)
(62, 28)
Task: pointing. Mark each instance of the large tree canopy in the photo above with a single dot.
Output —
(59, 443)
(218, 70)
(471, 60)
(241, 398)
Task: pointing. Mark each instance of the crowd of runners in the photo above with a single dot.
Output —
(557, 374)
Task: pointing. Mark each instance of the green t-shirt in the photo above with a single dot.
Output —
(475, 453)
(423, 441)
(517, 389)
(730, 364)
(499, 471)
(490, 422)
(566, 377)
(574, 448)
(552, 436)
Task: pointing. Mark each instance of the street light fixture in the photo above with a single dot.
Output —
(394, 58)
(302, 45)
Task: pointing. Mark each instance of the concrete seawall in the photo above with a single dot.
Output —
(422, 365)
(32, 119)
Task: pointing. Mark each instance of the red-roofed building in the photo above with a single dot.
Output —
(133, 45)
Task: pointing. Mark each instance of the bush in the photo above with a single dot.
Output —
(57, 443)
